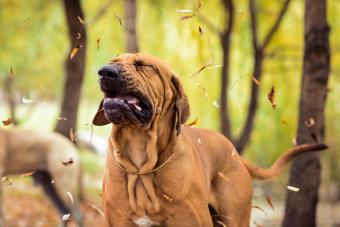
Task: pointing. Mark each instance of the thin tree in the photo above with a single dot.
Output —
(306, 169)
(130, 26)
(259, 49)
(75, 67)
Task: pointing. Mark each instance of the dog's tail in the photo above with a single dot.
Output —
(269, 173)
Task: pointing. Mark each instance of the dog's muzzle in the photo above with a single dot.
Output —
(123, 102)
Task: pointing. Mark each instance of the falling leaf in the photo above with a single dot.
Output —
(184, 11)
(96, 209)
(220, 174)
(120, 20)
(61, 118)
(74, 51)
(68, 162)
(70, 197)
(259, 208)
(258, 225)
(203, 89)
(27, 174)
(199, 141)
(98, 43)
(27, 101)
(269, 201)
(256, 81)
(200, 30)
(7, 122)
(310, 122)
(81, 20)
(294, 189)
(167, 197)
(314, 137)
(216, 104)
(192, 123)
(72, 135)
(66, 217)
(6, 179)
(221, 223)
(78, 35)
(271, 97)
(186, 17)
(11, 71)
(202, 68)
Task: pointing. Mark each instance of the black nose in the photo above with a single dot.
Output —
(110, 71)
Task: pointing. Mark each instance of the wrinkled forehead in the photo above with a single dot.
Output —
(140, 59)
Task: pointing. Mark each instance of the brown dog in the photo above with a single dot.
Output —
(159, 174)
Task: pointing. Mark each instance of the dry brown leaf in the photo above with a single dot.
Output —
(269, 201)
(192, 123)
(202, 68)
(70, 197)
(256, 81)
(9, 182)
(310, 122)
(81, 20)
(27, 174)
(292, 188)
(221, 223)
(271, 97)
(169, 199)
(120, 20)
(7, 122)
(99, 211)
(78, 35)
(259, 208)
(68, 162)
(186, 17)
(98, 43)
(75, 50)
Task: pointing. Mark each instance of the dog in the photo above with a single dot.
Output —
(160, 173)
(53, 162)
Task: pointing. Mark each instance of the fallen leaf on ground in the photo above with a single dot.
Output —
(271, 97)
(27, 174)
(292, 188)
(7, 122)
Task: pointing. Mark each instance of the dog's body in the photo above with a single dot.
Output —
(23, 151)
(159, 174)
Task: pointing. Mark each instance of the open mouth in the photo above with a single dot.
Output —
(129, 107)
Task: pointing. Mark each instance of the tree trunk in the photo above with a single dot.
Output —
(130, 26)
(305, 172)
(75, 67)
(10, 96)
(225, 43)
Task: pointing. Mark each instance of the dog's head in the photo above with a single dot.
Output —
(138, 89)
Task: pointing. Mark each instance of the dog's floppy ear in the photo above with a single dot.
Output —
(100, 119)
(181, 105)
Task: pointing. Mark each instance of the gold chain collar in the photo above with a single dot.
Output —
(148, 172)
